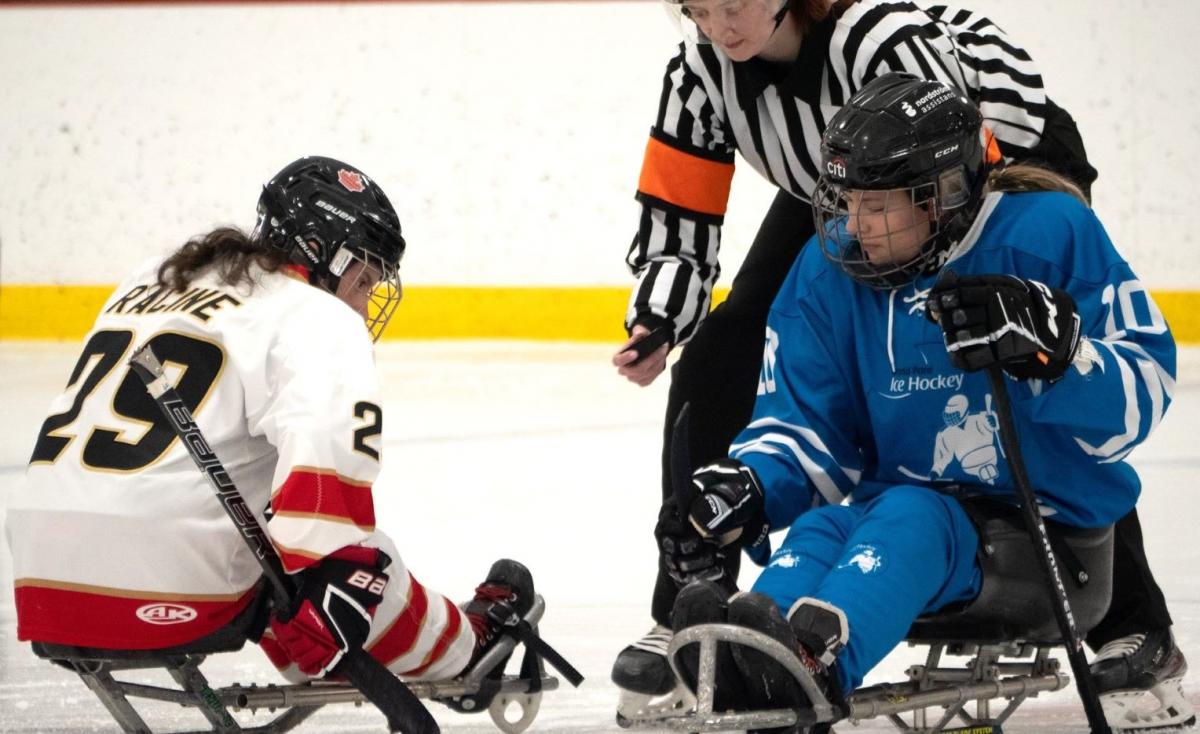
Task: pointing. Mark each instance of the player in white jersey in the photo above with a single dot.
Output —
(117, 541)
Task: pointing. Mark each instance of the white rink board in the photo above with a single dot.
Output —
(509, 135)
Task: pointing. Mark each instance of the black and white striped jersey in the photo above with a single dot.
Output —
(774, 115)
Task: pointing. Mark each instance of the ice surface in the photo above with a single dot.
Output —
(539, 452)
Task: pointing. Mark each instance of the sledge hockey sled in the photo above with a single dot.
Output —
(479, 688)
(1007, 633)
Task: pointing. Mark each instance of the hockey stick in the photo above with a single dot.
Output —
(404, 712)
(681, 462)
(1041, 541)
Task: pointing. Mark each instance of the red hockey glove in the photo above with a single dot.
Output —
(333, 609)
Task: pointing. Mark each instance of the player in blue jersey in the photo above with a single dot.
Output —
(930, 265)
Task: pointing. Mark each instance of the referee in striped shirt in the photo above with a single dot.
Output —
(762, 78)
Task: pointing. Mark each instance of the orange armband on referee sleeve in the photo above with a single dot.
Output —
(685, 180)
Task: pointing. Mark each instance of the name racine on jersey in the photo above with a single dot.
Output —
(148, 299)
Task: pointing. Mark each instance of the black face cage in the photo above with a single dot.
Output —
(946, 198)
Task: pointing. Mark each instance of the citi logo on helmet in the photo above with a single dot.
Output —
(836, 167)
(166, 613)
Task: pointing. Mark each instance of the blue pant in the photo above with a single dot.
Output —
(884, 562)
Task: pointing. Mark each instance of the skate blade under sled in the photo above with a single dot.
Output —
(1162, 708)
(948, 691)
(480, 688)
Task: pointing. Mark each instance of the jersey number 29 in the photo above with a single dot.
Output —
(109, 449)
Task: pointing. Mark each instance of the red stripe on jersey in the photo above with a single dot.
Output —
(398, 639)
(87, 619)
(327, 495)
(453, 623)
(294, 560)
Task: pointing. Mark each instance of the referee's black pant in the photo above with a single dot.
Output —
(717, 374)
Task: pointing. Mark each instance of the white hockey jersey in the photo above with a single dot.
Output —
(117, 540)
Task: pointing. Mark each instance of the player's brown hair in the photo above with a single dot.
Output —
(226, 248)
(811, 12)
(1021, 177)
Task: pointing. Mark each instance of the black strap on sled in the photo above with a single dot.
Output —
(536, 647)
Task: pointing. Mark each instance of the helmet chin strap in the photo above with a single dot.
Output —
(779, 16)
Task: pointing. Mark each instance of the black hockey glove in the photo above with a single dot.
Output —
(333, 608)
(729, 507)
(686, 556)
(1027, 327)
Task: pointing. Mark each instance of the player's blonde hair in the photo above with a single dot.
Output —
(1024, 177)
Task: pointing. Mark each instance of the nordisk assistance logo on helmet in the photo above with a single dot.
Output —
(166, 613)
(836, 167)
(351, 180)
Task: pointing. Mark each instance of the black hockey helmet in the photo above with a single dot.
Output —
(324, 214)
(902, 133)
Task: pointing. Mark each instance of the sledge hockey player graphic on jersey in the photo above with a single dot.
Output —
(969, 438)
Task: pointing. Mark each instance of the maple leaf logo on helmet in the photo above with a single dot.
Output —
(351, 180)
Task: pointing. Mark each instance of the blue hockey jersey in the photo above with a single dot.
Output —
(857, 393)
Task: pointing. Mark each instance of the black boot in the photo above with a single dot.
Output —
(642, 666)
(704, 602)
(1139, 661)
(503, 599)
(822, 631)
(769, 685)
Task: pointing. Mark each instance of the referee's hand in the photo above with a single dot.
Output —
(645, 371)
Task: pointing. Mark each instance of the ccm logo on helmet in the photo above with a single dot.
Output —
(164, 613)
(945, 151)
(836, 167)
